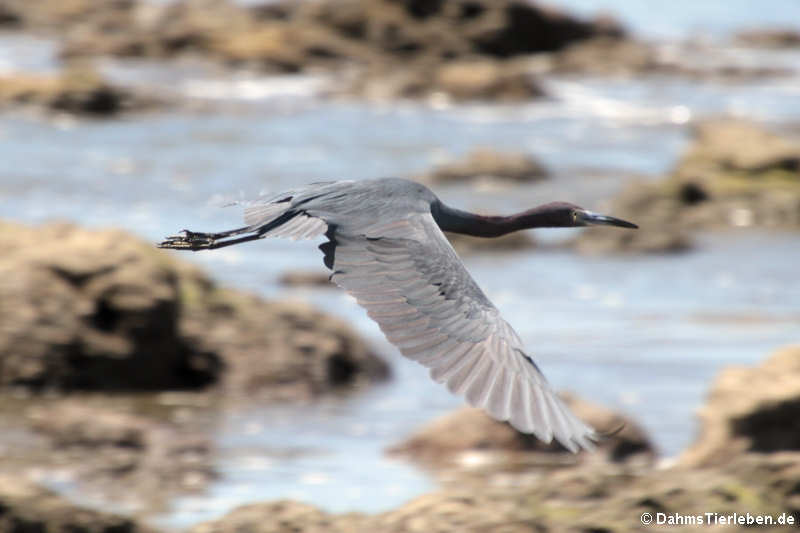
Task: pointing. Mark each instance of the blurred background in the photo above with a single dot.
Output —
(164, 390)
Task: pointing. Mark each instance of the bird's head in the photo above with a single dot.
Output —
(567, 215)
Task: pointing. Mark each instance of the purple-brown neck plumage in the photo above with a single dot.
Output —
(552, 215)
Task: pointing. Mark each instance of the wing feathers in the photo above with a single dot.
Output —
(479, 392)
(411, 282)
(499, 404)
(469, 374)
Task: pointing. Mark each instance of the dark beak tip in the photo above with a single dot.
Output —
(605, 220)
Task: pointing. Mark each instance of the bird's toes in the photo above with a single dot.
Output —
(189, 240)
(174, 241)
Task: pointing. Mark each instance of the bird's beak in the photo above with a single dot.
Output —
(589, 218)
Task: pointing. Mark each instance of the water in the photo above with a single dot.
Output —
(642, 334)
(689, 18)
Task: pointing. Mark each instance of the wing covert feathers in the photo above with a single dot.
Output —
(404, 272)
(415, 287)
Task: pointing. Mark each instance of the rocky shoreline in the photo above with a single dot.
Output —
(529, 493)
(121, 291)
(104, 311)
(746, 459)
(735, 175)
(119, 363)
(77, 90)
(455, 50)
(96, 322)
(409, 49)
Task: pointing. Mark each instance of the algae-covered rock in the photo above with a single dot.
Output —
(92, 310)
(28, 507)
(486, 80)
(459, 49)
(750, 411)
(597, 498)
(306, 278)
(606, 56)
(77, 90)
(735, 174)
(658, 216)
(280, 517)
(448, 441)
(280, 350)
(103, 310)
(440, 82)
(787, 37)
(125, 455)
(488, 163)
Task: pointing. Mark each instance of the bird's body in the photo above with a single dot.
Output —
(386, 247)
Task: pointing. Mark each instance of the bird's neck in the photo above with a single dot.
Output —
(457, 221)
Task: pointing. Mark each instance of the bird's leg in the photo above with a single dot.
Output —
(188, 240)
(192, 240)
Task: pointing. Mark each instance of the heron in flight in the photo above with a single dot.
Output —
(385, 247)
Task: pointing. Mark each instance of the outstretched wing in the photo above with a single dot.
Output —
(412, 283)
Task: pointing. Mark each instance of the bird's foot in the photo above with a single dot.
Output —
(189, 240)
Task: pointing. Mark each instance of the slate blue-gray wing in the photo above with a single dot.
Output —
(411, 282)
(404, 272)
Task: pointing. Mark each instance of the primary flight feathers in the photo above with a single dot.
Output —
(386, 248)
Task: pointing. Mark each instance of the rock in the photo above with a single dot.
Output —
(466, 429)
(309, 278)
(27, 507)
(127, 456)
(280, 517)
(656, 240)
(488, 163)
(9, 18)
(302, 354)
(656, 214)
(92, 310)
(486, 80)
(72, 424)
(451, 47)
(627, 440)
(131, 28)
(64, 15)
(598, 498)
(737, 174)
(734, 174)
(750, 411)
(77, 90)
(511, 242)
(769, 37)
(452, 28)
(473, 79)
(102, 310)
(437, 81)
(608, 57)
(384, 28)
(730, 145)
(449, 440)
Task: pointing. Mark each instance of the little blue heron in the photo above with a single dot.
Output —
(386, 248)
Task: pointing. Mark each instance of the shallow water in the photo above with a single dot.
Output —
(643, 334)
(690, 18)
